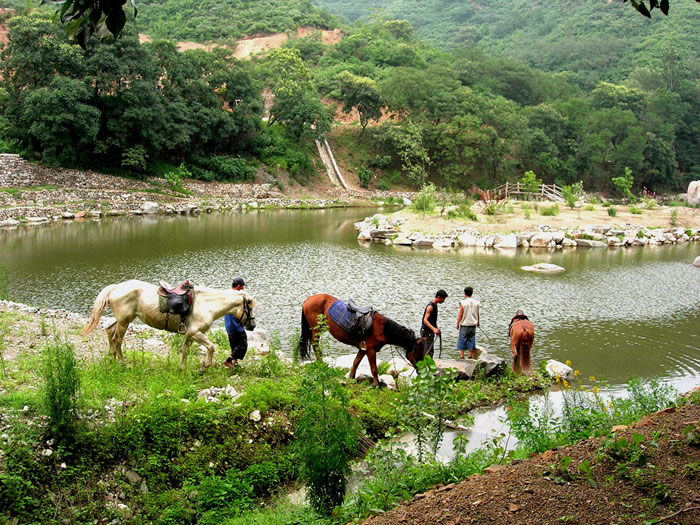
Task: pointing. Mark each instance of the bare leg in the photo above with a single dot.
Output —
(356, 362)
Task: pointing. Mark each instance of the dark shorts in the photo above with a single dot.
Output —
(467, 338)
(239, 344)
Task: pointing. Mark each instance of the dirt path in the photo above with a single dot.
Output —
(662, 485)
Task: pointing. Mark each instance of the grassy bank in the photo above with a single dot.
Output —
(87, 439)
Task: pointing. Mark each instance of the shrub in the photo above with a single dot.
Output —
(550, 210)
(590, 207)
(624, 184)
(674, 217)
(175, 177)
(612, 212)
(530, 181)
(4, 282)
(569, 196)
(326, 436)
(222, 168)
(365, 175)
(635, 211)
(425, 199)
(383, 185)
(135, 158)
(60, 394)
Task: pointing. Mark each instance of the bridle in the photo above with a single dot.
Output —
(247, 312)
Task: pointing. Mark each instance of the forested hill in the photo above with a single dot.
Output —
(221, 20)
(594, 39)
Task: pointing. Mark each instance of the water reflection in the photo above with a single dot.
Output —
(614, 312)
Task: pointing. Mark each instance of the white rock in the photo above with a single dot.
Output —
(541, 240)
(406, 201)
(149, 208)
(47, 452)
(507, 241)
(568, 243)
(402, 239)
(696, 262)
(364, 235)
(467, 239)
(389, 381)
(543, 268)
(255, 415)
(9, 222)
(253, 204)
(556, 369)
(442, 243)
(693, 194)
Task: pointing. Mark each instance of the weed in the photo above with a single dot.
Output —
(550, 211)
(61, 388)
(612, 212)
(674, 217)
(635, 211)
(425, 200)
(589, 207)
(326, 436)
(4, 283)
(559, 472)
(587, 471)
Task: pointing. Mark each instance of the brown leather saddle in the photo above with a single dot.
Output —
(176, 300)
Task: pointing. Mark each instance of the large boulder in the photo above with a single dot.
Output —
(465, 367)
(541, 239)
(489, 364)
(696, 262)
(543, 268)
(555, 369)
(693, 195)
(589, 243)
(467, 239)
(149, 208)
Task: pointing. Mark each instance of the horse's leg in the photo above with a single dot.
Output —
(110, 339)
(356, 363)
(515, 349)
(118, 337)
(183, 353)
(202, 339)
(372, 358)
(524, 354)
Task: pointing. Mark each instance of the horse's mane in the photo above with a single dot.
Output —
(397, 334)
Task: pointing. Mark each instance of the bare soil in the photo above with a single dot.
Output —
(535, 491)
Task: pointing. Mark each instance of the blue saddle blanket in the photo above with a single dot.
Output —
(347, 320)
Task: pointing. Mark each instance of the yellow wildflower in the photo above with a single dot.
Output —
(596, 389)
(568, 362)
(566, 383)
(576, 373)
(592, 378)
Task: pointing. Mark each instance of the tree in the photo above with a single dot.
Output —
(662, 5)
(360, 93)
(82, 18)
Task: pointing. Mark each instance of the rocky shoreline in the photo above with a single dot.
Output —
(386, 230)
(32, 194)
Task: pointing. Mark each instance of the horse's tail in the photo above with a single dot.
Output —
(98, 309)
(305, 339)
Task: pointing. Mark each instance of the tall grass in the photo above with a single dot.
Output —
(61, 389)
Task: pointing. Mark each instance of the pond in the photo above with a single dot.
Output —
(615, 313)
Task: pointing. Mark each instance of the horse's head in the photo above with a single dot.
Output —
(248, 317)
(417, 353)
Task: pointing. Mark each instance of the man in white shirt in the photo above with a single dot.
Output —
(467, 321)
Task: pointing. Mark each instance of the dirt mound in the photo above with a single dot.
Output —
(657, 479)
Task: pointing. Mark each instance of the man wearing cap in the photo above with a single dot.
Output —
(237, 337)
(429, 329)
(467, 321)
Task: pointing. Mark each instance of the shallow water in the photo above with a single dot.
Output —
(615, 313)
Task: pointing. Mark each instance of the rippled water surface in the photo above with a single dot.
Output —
(615, 313)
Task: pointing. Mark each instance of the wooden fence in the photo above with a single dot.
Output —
(545, 192)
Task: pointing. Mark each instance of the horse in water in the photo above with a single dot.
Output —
(522, 333)
(131, 299)
(382, 331)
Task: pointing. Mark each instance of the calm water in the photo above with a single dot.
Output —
(615, 313)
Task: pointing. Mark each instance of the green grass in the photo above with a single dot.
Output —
(16, 191)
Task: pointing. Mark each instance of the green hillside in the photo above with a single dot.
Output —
(213, 20)
(596, 39)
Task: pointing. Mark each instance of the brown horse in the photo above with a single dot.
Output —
(522, 333)
(383, 331)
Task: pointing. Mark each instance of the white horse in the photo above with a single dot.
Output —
(131, 299)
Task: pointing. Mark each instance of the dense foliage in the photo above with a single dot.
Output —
(211, 20)
(131, 106)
